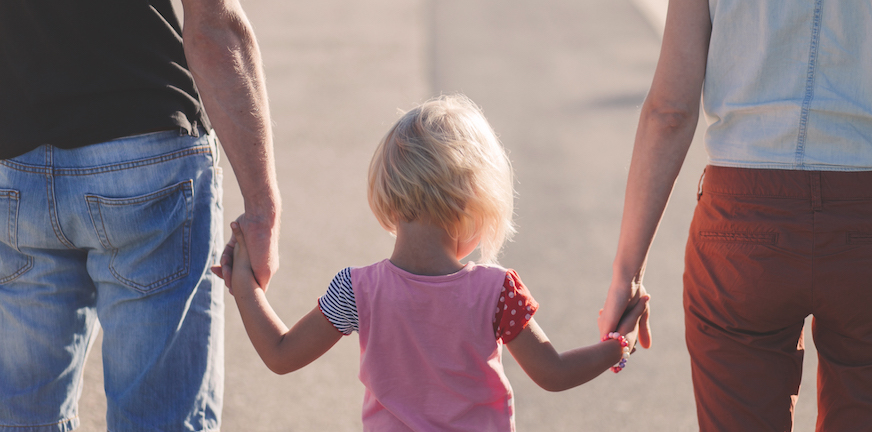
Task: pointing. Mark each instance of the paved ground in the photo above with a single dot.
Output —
(561, 82)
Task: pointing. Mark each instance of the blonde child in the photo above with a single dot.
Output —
(432, 328)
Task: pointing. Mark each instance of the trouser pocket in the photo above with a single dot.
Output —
(147, 238)
(13, 263)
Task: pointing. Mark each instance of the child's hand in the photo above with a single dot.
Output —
(242, 276)
(629, 324)
(224, 269)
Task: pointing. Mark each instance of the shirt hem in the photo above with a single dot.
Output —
(789, 166)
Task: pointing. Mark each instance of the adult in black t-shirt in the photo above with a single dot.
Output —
(110, 203)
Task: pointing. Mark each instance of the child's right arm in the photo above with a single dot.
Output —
(282, 350)
(555, 371)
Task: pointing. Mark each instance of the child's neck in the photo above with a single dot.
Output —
(425, 249)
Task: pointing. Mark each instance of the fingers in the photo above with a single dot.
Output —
(226, 262)
(632, 316)
(238, 236)
(235, 253)
(615, 306)
(261, 242)
(644, 323)
(640, 307)
(630, 321)
(645, 330)
(241, 254)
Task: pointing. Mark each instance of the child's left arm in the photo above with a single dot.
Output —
(555, 371)
(281, 349)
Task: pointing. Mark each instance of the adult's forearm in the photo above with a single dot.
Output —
(224, 58)
(662, 141)
(666, 127)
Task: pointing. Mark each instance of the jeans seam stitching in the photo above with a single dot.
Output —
(50, 197)
(12, 234)
(41, 425)
(33, 169)
(151, 286)
(20, 271)
(133, 164)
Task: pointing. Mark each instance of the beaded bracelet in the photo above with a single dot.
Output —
(625, 351)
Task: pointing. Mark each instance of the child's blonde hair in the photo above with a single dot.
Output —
(443, 161)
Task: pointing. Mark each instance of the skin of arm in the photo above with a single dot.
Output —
(224, 58)
(555, 371)
(283, 350)
(666, 127)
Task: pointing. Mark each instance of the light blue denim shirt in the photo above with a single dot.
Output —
(789, 84)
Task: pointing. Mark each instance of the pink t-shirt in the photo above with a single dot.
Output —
(430, 357)
(514, 309)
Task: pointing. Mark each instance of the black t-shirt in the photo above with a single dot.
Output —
(74, 73)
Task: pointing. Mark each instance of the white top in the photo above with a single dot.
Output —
(788, 84)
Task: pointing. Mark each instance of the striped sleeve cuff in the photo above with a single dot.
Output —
(338, 303)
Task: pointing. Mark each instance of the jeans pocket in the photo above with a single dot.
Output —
(13, 263)
(148, 236)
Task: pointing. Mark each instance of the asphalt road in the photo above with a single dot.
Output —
(561, 82)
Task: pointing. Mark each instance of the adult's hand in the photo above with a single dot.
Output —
(261, 237)
(262, 241)
(622, 298)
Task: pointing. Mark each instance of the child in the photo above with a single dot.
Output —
(431, 328)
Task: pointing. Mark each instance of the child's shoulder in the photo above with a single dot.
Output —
(374, 266)
(372, 270)
(506, 277)
(494, 271)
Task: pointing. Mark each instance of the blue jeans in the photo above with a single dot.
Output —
(123, 233)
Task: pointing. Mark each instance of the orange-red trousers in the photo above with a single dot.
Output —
(766, 249)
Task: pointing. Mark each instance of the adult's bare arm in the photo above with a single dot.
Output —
(225, 61)
(666, 126)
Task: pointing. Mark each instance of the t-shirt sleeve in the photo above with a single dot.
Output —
(338, 304)
(515, 308)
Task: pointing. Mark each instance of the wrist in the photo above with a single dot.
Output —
(627, 276)
(248, 291)
(625, 349)
(262, 199)
(265, 211)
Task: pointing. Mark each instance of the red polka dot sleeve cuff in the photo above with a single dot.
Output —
(515, 308)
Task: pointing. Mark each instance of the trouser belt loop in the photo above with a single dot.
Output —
(194, 130)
